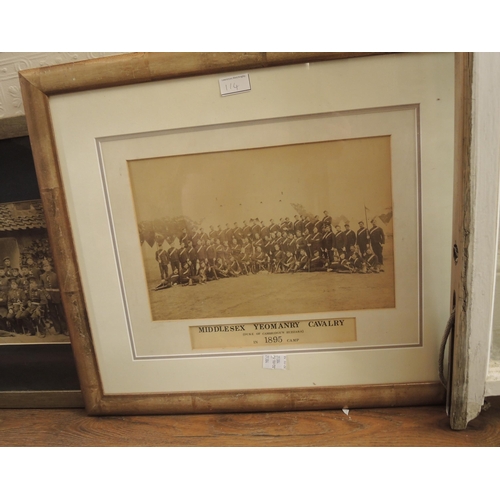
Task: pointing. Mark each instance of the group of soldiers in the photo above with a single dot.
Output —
(30, 299)
(306, 244)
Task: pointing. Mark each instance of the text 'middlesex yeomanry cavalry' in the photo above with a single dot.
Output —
(304, 245)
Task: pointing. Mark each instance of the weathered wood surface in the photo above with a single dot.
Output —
(41, 399)
(461, 272)
(303, 398)
(411, 426)
(148, 67)
(13, 127)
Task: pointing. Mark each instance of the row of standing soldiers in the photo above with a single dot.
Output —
(30, 300)
(305, 245)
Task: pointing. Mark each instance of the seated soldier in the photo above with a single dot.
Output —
(291, 263)
(210, 273)
(202, 273)
(234, 267)
(303, 262)
(357, 261)
(260, 260)
(16, 299)
(372, 263)
(185, 274)
(221, 268)
(318, 263)
(344, 265)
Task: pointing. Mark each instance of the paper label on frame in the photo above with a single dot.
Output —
(274, 361)
(283, 334)
(234, 84)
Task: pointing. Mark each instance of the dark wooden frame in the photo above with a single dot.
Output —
(37, 86)
(35, 376)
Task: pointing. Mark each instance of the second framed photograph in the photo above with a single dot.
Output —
(239, 238)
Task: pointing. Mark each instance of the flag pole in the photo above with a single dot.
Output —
(366, 219)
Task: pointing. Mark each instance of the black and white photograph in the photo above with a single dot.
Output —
(31, 309)
(287, 229)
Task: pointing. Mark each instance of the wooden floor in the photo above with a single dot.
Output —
(414, 426)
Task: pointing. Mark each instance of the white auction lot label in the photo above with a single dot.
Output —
(234, 84)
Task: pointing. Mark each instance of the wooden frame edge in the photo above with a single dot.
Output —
(13, 127)
(41, 399)
(461, 239)
(143, 67)
(267, 400)
(59, 231)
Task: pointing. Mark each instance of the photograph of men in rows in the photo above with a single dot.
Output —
(318, 236)
(30, 300)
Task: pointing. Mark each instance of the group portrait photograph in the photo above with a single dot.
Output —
(288, 229)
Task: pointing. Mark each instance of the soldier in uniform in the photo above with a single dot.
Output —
(297, 224)
(362, 238)
(237, 233)
(4, 291)
(377, 239)
(260, 260)
(173, 257)
(234, 267)
(212, 234)
(56, 313)
(246, 230)
(327, 220)
(192, 257)
(24, 278)
(317, 262)
(161, 257)
(221, 234)
(339, 240)
(185, 274)
(228, 233)
(201, 251)
(273, 227)
(327, 243)
(357, 261)
(300, 242)
(221, 268)
(34, 270)
(291, 264)
(278, 259)
(350, 239)
(344, 265)
(316, 241)
(4, 288)
(34, 318)
(211, 252)
(307, 238)
(219, 250)
(8, 267)
(183, 256)
(303, 263)
(247, 251)
(372, 263)
(16, 301)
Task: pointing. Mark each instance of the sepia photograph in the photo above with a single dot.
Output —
(286, 229)
(31, 308)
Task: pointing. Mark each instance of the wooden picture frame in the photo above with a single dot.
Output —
(34, 373)
(42, 89)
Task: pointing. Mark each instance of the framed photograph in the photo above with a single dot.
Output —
(249, 232)
(36, 362)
